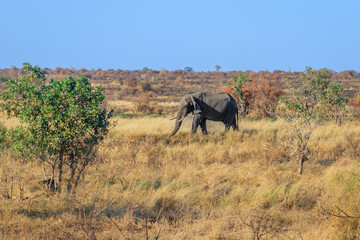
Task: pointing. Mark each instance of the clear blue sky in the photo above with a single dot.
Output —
(173, 34)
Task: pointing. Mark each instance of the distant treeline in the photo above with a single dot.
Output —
(126, 83)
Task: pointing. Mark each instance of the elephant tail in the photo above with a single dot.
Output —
(237, 118)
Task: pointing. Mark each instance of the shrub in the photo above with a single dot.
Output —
(145, 86)
(64, 121)
(354, 104)
(264, 95)
(131, 82)
(355, 101)
(143, 104)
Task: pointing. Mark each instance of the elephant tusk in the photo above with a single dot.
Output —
(180, 119)
(172, 118)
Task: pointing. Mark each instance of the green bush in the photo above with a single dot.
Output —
(63, 120)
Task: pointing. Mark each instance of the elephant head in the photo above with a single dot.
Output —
(187, 105)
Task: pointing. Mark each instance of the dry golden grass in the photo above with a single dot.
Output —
(238, 185)
(151, 105)
(9, 122)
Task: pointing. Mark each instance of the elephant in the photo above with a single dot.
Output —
(207, 106)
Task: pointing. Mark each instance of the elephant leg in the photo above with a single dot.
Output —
(229, 121)
(227, 127)
(203, 127)
(234, 125)
(196, 122)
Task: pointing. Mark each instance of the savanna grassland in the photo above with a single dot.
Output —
(238, 185)
(141, 184)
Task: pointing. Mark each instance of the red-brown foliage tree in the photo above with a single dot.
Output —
(260, 95)
(264, 94)
(354, 104)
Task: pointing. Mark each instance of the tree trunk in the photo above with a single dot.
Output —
(301, 163)
(72, 170)
(81, 171)
(60, 171)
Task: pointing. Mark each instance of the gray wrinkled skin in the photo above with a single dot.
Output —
(207, 106)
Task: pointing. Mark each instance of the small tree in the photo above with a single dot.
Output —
(63, 121)
(217, 67)
(334, 104)
(302, 109)
(145, 86)
(188, 69)
(237, 83)
(143, 104)
(263, 95)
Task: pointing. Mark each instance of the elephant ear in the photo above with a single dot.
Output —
(197, 108)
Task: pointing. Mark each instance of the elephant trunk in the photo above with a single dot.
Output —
(179, 118)
(177, 126)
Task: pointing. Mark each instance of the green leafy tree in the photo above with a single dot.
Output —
(237, 83)
(62, 122)
(334, 104)
(302, 110)
(188, 69)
